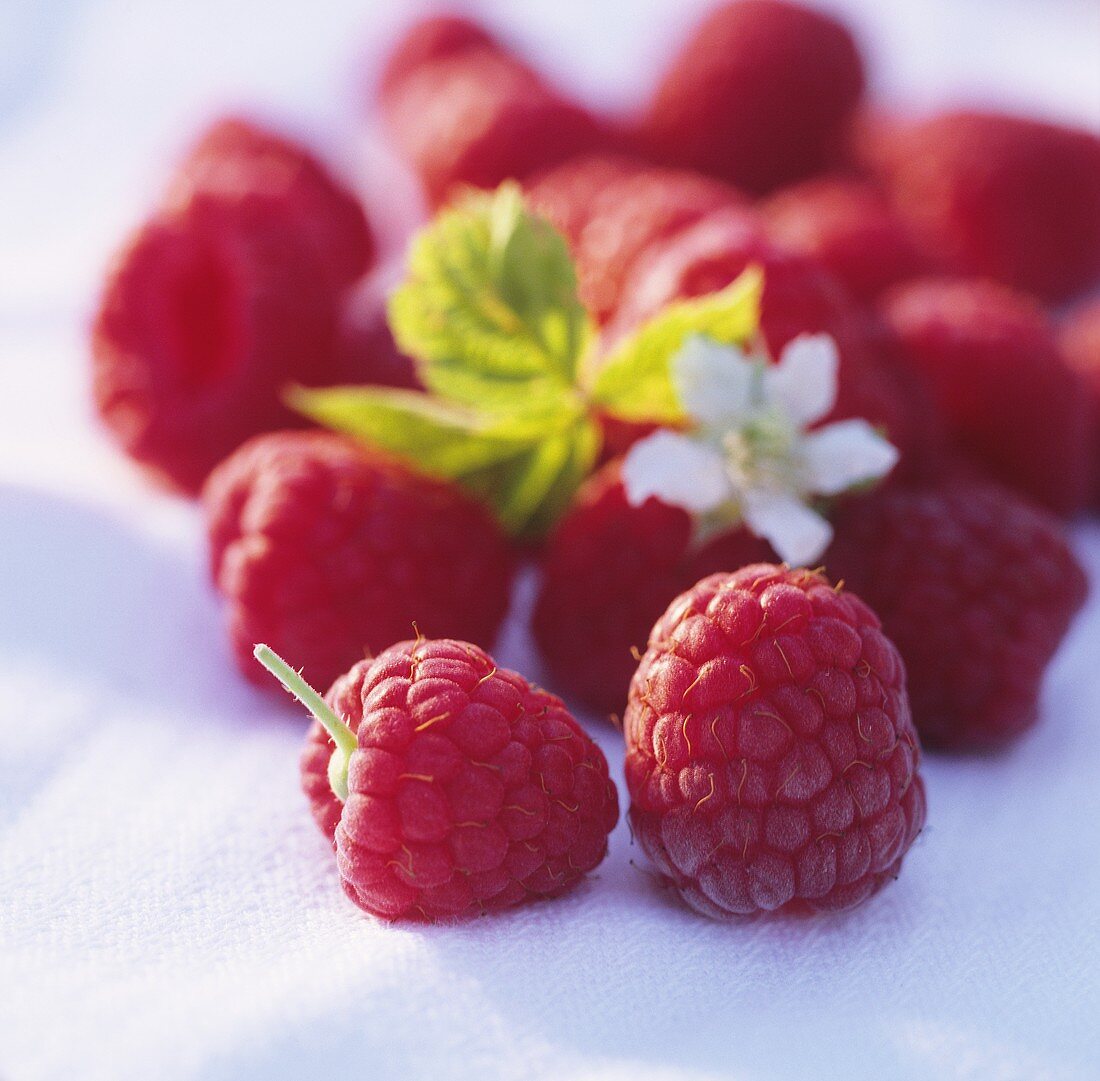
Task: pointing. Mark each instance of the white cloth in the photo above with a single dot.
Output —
(168, 910)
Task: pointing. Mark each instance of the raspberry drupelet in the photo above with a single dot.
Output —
(771, 758)
(451, 787)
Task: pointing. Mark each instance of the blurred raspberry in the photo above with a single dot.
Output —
(428, 40)
(770, 754)
(800, 297)
(976, 587)
(329, 552)
(1015, 199)
(608, 571)
(366, 351)
(613, 212)
(992, 363)
(1080, 341)
(471, 791)
(849, 227)
(480, 117)
(759, 95)
(242, 164)
(206, 315)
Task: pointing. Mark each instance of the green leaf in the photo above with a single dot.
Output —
(635, 382)
(534, 492)
(490, 304)
(525, 465)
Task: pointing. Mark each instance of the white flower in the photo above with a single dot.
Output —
(750, 457)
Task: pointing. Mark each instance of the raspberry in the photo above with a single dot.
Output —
(770, 754)
(612, 213)
(366, 350)
(1013, 199)
(457, 789)
(976, 587)
(991, 361)
(759, 96)
(1080, 341)
(206, 315)
(331, 551)
(850, 229)
(481, 117)
(800, 297)
(428, 40)
(240, 164)
(594, 609)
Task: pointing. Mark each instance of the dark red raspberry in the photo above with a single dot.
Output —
(330, 552)
(770, 754)
(613, 213)
(1080, 341)
(992, 363)
(428, 40)
(366, 350)
(848, 226)
(480, 117)
(242, 164)
(206, 315)
(1012, 198)
(800, 297)
(759, 95)
(608, 571)
(468, 790)
(976, 587)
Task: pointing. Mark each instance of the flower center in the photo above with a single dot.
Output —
(763, 452)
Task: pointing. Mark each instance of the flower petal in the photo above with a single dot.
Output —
(714, 381)
(804, 380)
(798, 535)
(678, 471)
(844, 454)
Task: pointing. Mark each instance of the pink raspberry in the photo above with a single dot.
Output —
(331, 551)
(1080, 341)
(850, 228)
(1005, 197)
(800, 297)
(976, 587)
(595, 609)
(455, 787)
(759, 95)
(770, 755)
(613, 212)
(990, 358)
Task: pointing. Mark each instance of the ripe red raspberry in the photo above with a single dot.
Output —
(770, 755)
(330, 551)
(1080, 341)
(1015, 199)
(428, 40)
(848, 226)
(759, 96)
(462, 788)
(366, 350)
(608, 571)
(242, 164)
(800, 297)
(206, 315)
(613, 213)
(976, 587)
(991, 361)
(480, 117)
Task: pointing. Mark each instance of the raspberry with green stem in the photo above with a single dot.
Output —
(341, 734)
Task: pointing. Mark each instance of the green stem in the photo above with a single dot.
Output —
(341, 734)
